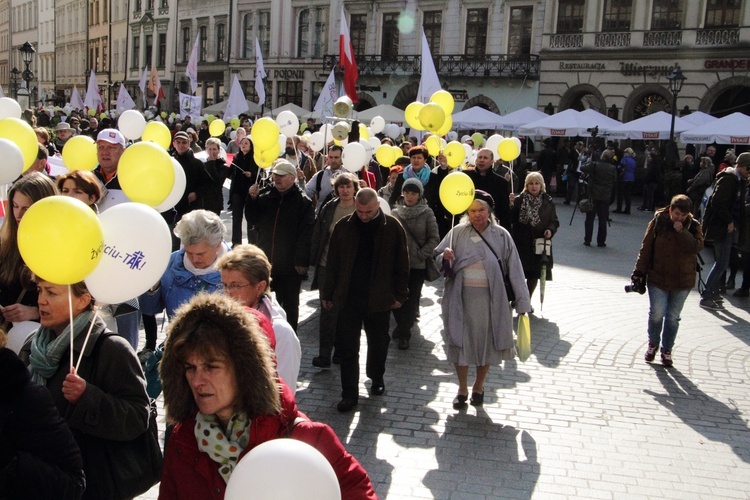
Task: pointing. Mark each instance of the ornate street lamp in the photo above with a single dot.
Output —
(676, 79)
(27, 54)
(14, 74)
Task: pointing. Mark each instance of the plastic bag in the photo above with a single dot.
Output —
(523, 344)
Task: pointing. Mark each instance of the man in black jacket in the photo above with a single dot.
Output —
(192, 167)
(284, 218)
(486, 180)
(602, 177)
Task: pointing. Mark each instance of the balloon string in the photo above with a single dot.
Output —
(86, 340)
(70, 316)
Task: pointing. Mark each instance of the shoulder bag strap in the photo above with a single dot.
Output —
(499, 263)
(410, 233)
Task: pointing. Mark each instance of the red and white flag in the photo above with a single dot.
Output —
(154, 85)
(346, 60)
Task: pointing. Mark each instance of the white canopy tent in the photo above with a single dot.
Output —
(475, 118)
(517, 119)
(221, 106)
(389, 113)
(655, 126)
(699, 118)
(297, 110)
(732, 129)
(569, 123)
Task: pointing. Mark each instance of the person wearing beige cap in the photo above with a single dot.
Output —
(63, 132)
(725, 216)
(284, 217)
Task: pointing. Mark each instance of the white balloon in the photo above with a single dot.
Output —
(465, 138)
(281, 469)
(130, 263)
(468, 150)
(384, 206)
(233, 135)
(9, 108)
(354, 157)
(178, 189)
(132, 124)
(282, 141)
(374, 142)
(288, 123)
(517, 141)
(369, 150)
(402, 130)
(316, 141)
(452, 136)
(473, 157)
(492, 143)
(377, 124)
(392, 130)
(12, 164)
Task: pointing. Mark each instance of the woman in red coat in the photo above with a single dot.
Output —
(219, 380)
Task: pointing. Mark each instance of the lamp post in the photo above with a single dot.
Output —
(27, 54)
(676, 78)
(14, 74)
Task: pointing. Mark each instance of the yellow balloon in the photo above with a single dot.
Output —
(61, 240)
(146, 173)
(271, 154)
(456, 192)
(454, 154)
(22, 135)
(384, 155)
(444, 99)
(92, 112)
(235, 123)
(432, 116)
(159, 133)
(411, 114)
(265, 133)
(478, 139)
(363, 133)
(447, 126)
(397, 152)
(216, 128)
(508, 149)
(79, 153)
(433, 145)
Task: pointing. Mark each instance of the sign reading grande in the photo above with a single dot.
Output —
(727, 64)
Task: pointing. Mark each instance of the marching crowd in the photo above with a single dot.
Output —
(229, 366)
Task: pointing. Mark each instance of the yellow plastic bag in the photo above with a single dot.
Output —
(523, 344)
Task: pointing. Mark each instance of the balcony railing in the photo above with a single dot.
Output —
(615, 39)
(662, 38)
(566, 41)
(495, 65)
(721, 36)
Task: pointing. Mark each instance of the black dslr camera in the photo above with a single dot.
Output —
(636, 286)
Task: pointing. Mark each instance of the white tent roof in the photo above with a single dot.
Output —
(732, 129)
(221, 106)
(653, 126)
(297, 110)
(477, 117)
(568, 123)
(699, 118)
(388, 112)
(519, 118)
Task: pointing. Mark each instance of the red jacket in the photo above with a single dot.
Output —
(191, 474)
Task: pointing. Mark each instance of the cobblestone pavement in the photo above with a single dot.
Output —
(584, 417)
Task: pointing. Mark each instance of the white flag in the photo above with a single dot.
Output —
(237, 103)
(191, 70)
(191, 106)
(142, 86)
(327, 97)
(429, 83)
(75, 99)
(93, 99)
(124, 101)
(260, 74)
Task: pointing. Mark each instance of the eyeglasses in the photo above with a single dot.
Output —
(232, 287)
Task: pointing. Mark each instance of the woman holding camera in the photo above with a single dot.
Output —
(667, 264)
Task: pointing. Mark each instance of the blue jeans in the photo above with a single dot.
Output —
(665, 308)
(722, 253)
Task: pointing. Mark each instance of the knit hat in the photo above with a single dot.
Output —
(182, 135)
(413, 186)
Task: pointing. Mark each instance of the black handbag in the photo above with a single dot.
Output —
(123, 469)
(506, 281)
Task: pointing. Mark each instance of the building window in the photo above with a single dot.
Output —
(519, 30)
(358, 31)
(221, 43)
(264, 30)
(570, 16)
(136, 51)
(617, 15)
(149, 4)
(248, 42)
(289, 92)
(162, 50)
(164, 4)
(303, 32)
(433, 26)
(667, 14)
(723, 13)
(389, 47)
(476, 32)
(185, 44)
(311, 32)
(149, 49)
(202, 31)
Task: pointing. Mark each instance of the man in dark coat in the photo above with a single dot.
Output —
(725, 215)
(487, 180)
(370, 280)
(284, 218)
(547, 162)
(192, 167)
(602, 177)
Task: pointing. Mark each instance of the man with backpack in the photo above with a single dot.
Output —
(321, 184)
